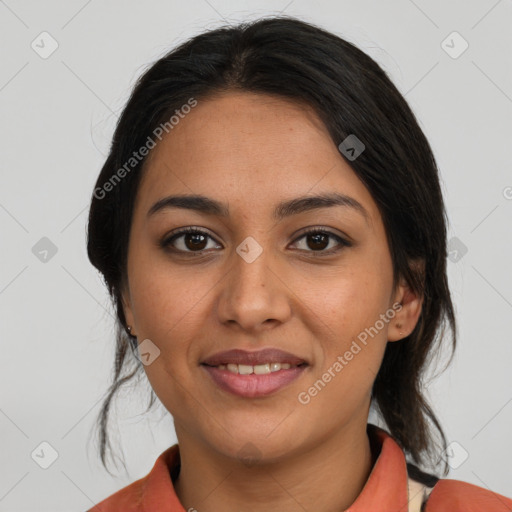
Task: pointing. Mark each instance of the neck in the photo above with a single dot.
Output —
(327, 478)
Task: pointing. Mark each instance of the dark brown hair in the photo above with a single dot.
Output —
(350, 92)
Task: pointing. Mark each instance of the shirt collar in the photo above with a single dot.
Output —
(385, 489)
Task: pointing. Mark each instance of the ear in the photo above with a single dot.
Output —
(127, 308)
(407, 315)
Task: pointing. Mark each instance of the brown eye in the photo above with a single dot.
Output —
(188, 240)
(194, 241)
(318, 241)
(321, 241)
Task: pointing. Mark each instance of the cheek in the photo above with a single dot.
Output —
(170, 308)
(350, 348)
(348, 302)
(346, 311)
(168, 299)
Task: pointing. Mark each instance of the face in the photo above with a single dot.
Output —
(251, 277)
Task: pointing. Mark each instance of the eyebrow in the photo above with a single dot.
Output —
(208, 206)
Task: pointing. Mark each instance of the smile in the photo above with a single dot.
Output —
(254, 381)
(259, 369)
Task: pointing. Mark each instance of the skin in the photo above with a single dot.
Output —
(251, 152)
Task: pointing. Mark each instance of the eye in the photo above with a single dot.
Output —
(323, 241)
(189, 239)
(195, 240)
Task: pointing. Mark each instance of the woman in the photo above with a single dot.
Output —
(270, 226)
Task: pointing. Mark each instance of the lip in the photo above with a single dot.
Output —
(253, 385)
(266, 355)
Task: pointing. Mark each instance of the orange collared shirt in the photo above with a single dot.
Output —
(384, 491)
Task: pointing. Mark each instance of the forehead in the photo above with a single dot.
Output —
(241, 146)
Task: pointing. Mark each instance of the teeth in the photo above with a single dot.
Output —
(259, 369)
(244, 369)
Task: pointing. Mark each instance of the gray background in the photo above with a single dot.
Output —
(56, 120)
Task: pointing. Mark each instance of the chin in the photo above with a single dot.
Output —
(255, 447)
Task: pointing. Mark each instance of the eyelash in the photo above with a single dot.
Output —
(168, 240)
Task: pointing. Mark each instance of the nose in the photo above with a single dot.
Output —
(254, 296)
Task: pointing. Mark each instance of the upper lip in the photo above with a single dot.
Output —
(239, 356)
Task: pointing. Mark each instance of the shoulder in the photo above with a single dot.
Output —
(150, 491)
(127, 499)
(457, 496)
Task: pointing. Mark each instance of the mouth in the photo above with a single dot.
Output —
(254, 374)
(255, 358)
(259, 369)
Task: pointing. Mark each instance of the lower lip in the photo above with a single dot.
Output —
(252, 386)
